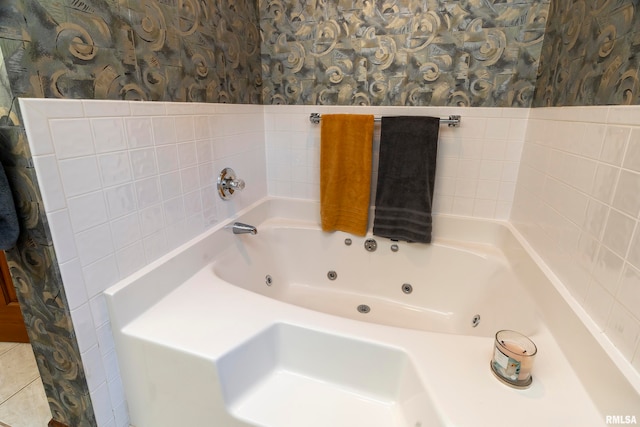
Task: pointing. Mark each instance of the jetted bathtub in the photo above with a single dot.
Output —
(294, 327)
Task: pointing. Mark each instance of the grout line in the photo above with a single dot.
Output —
(18, 392)
(26, 377)
(9, 349)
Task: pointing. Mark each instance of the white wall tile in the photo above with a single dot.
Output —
(624, 330)
(173, 211)
(595, 218)
(143, 108)
(204, 150)
(115, 168)
(84, 328)
(192, 203)
(50, 182)
(615, 143)
(111, 365)
(609, 154)
(185, 130)
(79, 175)
(109, 108)
(607, 269)
(125, 230)
(74, 285)
(155, 245)
(105, 339)
(201, 127)
(599, 303)
(94, 244)
(170, 185)
(187, 154)
(626, 193)
(100, 398)
(138, 131)
(116, 392)
(629, 291)
(176, 234)
(462, 206)
(62, 235)
(87, 210)
(164, 130)
(207, 175)
(484, 208)
(121, 200)
(592, 140)
(148, 192)
(108, 134)
(151, 219)
(99, 310)
(618, 232)
(167, 158)
(121, 414)
(632, 155)
(190, 179)
(604, 181)
(71, 138)
(623, 115)
(143, 162)
(100, 274)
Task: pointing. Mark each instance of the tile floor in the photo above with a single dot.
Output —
(23, 402)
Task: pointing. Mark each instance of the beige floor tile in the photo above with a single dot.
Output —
(28, 408)
(17, 370)
(6, 346)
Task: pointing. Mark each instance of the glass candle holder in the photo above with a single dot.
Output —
(513, 357)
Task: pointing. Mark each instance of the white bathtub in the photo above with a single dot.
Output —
(203, 340)
(463, 283)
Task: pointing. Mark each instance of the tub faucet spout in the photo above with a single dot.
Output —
(240, 228)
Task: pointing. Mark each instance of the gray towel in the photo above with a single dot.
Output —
(9, 228)
(406, 177)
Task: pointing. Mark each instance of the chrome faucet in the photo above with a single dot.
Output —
(240, 228)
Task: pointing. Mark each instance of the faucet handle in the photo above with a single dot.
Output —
(236, 184)
(228, 183)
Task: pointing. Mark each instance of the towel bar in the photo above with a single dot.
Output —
(453, 121)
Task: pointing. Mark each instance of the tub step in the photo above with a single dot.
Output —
(288, 399)
(291, 376)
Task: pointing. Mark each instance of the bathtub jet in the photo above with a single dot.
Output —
(241, 228)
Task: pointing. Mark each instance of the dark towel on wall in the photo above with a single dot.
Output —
(9, 228)
(406, 177)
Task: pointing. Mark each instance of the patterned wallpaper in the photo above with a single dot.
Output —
(401, 52)
(157, 50)
(591, 54)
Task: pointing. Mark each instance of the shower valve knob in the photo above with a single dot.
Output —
(228, 183)
(236, 184)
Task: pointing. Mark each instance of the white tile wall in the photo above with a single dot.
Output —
(578, 204)
(123, 183)
(477, 162)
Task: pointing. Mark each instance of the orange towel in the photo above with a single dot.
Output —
(345, 172)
